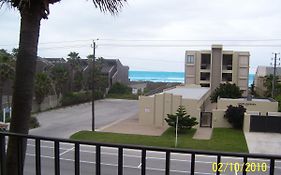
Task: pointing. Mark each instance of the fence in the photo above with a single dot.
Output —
(144, 149)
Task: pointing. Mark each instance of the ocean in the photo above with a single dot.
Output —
(165, 76)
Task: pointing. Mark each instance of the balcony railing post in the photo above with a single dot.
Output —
(98, 160)
(218, 164)
(245, 160)
(77, 159)
(192, 166)
(57, 158)
(168, 155)
(2, 154)
(143, 162)
(120, 161)
(38, 156)
(20, 155)
(272, 166)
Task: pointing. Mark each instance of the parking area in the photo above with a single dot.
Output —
(265, 143)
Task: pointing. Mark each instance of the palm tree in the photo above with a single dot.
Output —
(73, 61)
(42, 87)
(59, 76)
(32, 11)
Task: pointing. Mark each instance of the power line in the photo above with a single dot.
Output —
(188, 45)
(193, 40)
(158, 40)
(141, 59)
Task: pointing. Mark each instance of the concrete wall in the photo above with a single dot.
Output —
(154, 109)
(49, 102)
(146, 110)
(246, 125)
(261, 106)
(216, 60)
(219, 121)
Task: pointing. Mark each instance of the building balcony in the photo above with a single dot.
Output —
(205, 66)
(227, 67)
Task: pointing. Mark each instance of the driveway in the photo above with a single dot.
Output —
(65, 121)
(264, 143)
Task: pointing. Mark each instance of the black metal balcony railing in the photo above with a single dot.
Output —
(20, 137)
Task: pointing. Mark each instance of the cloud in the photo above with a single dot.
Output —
(145, 19)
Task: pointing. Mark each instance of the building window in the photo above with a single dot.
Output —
(190, 59)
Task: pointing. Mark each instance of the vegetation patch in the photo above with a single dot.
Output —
(121, 91)
(223, 139)
(74, 98)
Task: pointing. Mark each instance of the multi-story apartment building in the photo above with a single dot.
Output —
(209, 68)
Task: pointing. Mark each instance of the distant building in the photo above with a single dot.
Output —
(209, 68)
(115, 71)
(43, 65)
(55, 60)
(260, 76)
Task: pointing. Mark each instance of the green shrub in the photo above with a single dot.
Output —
(123, 96)
(74, 98)
(33, 122)
(235, 116)
(185, 122)
(226, 90)
(119, 88)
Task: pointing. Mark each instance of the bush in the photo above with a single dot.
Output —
(33, 123)
(235, 116)
(74, 98)
(184, 121)
(226, 90)
(123, 96)
(119, 88)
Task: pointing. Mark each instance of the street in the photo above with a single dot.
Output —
(64, 122)
(155, 161)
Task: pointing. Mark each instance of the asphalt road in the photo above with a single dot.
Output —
(155, 162)
(65, 121)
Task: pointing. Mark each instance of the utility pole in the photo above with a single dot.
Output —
(93, 85)
(274, 75)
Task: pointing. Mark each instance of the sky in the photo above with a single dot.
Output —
(154, 35)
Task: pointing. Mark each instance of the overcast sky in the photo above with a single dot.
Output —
(158, 22)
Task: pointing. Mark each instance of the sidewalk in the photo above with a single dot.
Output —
(132, 126)
(203, 133)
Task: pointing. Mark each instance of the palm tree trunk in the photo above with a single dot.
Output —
(24, 82)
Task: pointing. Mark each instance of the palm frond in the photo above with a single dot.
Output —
(111, 6)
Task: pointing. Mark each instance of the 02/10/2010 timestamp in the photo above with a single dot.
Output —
(238, 167)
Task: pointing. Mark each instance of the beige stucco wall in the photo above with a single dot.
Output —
(154, 109)
(246, 125)
(261, 106)
(219, 121)
(146, 110)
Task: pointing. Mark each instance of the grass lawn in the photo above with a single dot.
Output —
(223, 139)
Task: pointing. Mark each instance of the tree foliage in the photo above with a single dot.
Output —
(59, 76)
(235, 116)
(43, 87)
(119, 88)
(226, 90)
(185, 122)
(7, 71)
(267, 82)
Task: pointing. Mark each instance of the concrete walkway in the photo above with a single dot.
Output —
(263, 143)
(132, 126)
(203, 133)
